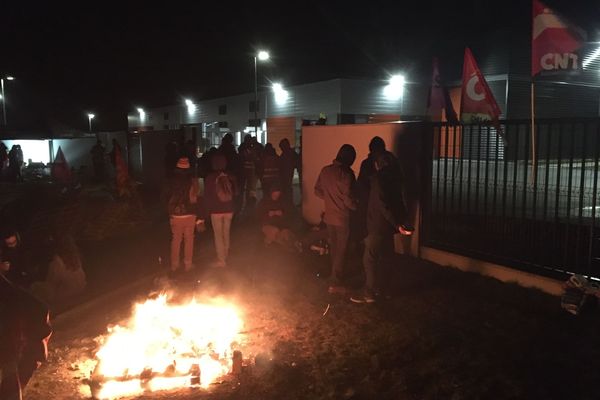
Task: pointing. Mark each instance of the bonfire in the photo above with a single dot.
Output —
(167, 346)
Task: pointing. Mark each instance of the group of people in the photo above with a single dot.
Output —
(375, 203)
(49, 267)
(99, 156)
(230, 182)
(369, 210)
(11, 163)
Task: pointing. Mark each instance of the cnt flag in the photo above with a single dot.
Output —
(477, 102)
(60, 170)
(554, 41)
(439, 98)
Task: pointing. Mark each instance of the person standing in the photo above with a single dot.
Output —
(386, 215)
(335, 185)
(14, 169)
(220, 188)
(24, 334)
(3, 160)
(234, 168)
(249, 156)
(289, 161)
(363, 185)
(269, 171)
(98, 153)
(183, 208)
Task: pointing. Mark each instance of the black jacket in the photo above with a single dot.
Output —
(386, 209)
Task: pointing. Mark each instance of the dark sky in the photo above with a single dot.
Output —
(112, 57)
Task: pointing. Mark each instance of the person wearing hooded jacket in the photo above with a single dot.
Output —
(386, 215)
(220, 211)
(289, 161)
(335, 186)
(183, 210)
(363, 184)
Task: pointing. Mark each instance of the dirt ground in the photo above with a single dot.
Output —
(443, 334)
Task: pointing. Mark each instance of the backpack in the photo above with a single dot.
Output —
(224, 188)
(182, 202)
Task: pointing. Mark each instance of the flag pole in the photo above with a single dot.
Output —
(533, 135)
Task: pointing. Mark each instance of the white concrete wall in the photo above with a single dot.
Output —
(320, 145)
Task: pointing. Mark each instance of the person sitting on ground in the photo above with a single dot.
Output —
(275, 217)
(316, 239)
(16, 260)
(65, 277)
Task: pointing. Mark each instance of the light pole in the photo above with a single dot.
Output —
(90, 118)
(262, 56)
(8, 78)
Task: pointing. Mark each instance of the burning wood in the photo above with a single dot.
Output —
(166, 346)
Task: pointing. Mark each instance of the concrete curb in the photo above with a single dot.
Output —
(502, 273)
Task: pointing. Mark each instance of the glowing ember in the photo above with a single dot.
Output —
(167, 346)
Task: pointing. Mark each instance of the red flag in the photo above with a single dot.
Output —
(122, 174)
(553, 41)
(477, 102)
(439, 98)
(60, 170)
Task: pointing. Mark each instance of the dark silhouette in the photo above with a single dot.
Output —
(171, 157)
(98, 153)
(289, 161)
(363, 185)
(386, 215)
(335, 186)
(269, 169)
(249, 155)
(24, 334)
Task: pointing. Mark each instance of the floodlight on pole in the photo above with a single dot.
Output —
(262, 55)
(281, 95)
(395, 89)
(90, 118)
(3, 97)
(191, 107)
(142, 114)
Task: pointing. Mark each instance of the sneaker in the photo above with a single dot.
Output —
(337, 290)
(363, 298)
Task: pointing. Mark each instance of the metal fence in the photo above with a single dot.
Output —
(522, 200)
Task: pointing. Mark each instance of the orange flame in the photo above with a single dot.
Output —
(167, 340)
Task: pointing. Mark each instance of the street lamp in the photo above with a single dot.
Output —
(142, 114)
(8, 78)
(262, 56)
(90, 118)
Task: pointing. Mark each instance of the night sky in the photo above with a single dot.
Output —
(112, 57)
